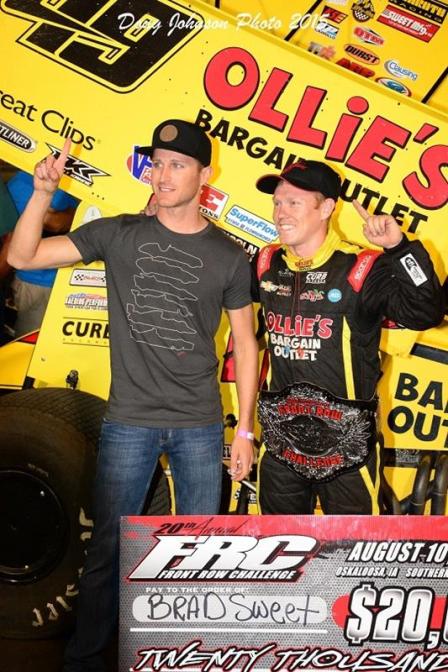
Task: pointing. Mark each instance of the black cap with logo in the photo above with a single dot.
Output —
(308, 175)
(183, 137)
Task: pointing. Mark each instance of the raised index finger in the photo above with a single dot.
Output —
(360, 210)
(62, 158)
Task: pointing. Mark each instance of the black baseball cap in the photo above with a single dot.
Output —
(183, 137)
(309, 175)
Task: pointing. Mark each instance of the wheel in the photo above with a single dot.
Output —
(48, 443)
(47, 457)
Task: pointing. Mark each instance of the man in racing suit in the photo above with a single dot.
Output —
(324, 300)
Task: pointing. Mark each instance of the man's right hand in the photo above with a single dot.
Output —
(48, 172)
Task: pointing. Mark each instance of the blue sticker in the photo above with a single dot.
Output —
(334, 295)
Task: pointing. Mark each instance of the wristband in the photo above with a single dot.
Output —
(245, 435)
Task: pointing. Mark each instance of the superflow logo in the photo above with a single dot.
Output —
(116, 43)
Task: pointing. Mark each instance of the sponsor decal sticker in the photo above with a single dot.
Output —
(92, 212)
(83, 301)
(212, 201)
(413, 269)
(268, 286)
(280, 290)
(299, 338)
(247, 221)
(407, 23)
(62, 125)
(88, 277)
(316, 277)
(139, 166)
(355, 67)
(327, 29)
(429, 9)
(85, 332)
(284, 290)
(361, 54)
(394, 68)
(52, 120)
(392, 84)
(321, 50)
(368, 36)
(363, 10)
(16, 138)
(334, 295)
(250, 249)
(312, 295)
(360, 270)
(334, 15)
(78, 170)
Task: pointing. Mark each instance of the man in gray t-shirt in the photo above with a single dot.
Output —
(168, 278)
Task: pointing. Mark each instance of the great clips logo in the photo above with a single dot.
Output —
(233, 558)
(90, 38)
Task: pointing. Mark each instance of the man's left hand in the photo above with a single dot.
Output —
(241, 458)
(381, 230)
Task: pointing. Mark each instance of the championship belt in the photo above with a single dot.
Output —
(315, 433)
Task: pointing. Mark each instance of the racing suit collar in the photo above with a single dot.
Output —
(322, 255)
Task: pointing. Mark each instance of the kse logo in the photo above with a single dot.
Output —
(182, 556)
(88, 38)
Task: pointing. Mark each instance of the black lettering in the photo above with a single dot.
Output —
(393, 419)
(95, 330)
(430, 435)
(87, 37)
(82, 329)
(406, 387)
(433, 395)
(67, 328)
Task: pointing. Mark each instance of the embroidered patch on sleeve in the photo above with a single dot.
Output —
(413, 269)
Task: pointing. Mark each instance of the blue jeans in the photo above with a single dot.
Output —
(127, 459)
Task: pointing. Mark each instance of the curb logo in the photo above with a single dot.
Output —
(89, 39)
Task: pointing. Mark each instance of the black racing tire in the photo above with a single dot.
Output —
(48, 440)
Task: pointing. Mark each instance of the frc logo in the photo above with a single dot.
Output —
(233, 558)
(89, 38)
(212, 201)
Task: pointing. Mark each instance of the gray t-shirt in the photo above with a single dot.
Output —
(166, 292)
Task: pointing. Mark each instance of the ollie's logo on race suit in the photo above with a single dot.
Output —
(299, 338)
(229, 557)
(104, 41)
